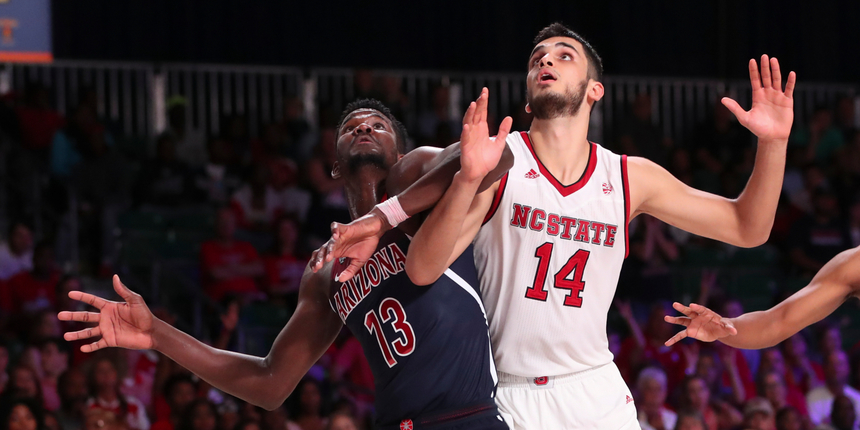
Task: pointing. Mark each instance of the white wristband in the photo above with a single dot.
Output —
(393, 211)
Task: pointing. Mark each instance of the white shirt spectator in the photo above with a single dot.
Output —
(820, 402)
(11, 264)
(668, 417)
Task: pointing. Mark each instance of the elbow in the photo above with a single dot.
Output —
(752, 239)
(420, 276)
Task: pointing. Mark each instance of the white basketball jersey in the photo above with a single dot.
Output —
(548, 258)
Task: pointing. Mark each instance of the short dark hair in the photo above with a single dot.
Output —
(557, 29)
(373, 104)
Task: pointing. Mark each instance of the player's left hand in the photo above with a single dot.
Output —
(701, 323)
(355, 241)
(480, 153)
(772, 109)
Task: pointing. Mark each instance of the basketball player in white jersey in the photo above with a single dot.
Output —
(552, 233)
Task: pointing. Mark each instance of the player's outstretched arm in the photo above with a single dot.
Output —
(747, 220)
(263, 381)
(442, 237)
(837, 281)
(419, 180)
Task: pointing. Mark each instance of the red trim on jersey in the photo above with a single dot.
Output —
(496, 199)
(565, 190)
(625, 183)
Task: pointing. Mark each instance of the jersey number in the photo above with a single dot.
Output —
(391, 309)
(575, 264)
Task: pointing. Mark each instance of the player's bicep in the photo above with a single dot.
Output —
(654, 191)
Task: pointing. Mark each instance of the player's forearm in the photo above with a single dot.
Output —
(246, 377)
(430, 188)
(756, 206)
(433, 244)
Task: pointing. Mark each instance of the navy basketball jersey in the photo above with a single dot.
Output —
(428, 347)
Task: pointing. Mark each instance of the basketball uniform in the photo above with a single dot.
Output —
(548, 257)
(428, 347)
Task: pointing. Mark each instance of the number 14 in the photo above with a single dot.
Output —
(575, 264)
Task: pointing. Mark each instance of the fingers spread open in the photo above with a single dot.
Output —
(777, 76)
(83, 334)
(95, 346)
(677, 338)
(789, 85)
(755, 79)
(123, 291)
(683, 309)
(765, 72)
(684, 321)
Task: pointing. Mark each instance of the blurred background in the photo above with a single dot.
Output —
(187, 145)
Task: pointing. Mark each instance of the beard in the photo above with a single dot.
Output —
(358, 161)
(550, 105)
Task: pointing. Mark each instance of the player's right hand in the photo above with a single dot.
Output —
(126, 324)
(701, 323)
(480, 153)
(356, 241)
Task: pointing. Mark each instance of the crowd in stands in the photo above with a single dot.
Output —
(269, 200)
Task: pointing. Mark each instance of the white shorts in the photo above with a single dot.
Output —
(595, 399)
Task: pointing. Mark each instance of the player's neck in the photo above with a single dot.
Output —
(562, 145)
(364, 189)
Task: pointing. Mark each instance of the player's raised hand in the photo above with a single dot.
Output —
(701, 323)
(125, 324)
(772, 109)
(355, 241)
(480, 153)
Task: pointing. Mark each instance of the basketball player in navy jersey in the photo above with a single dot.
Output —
(550, 237)
(428, 346)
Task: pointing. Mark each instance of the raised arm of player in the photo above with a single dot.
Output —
(419, 180)
(835, 283)
(263, 381)
(747, 220)
(454, 222)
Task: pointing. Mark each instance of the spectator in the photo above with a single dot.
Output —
(398, 102)
(802, 372)
(717, 414)
(216, 181)
(101, 182)
(247, 425)
(771, 385)
(16, 255)
(54, 361)
(758, 415)
(163, 181)
(329, 200)
(201, 414)
(51, 421)
(829, 337)
(100, 419)
(843, 416)
(654, 352)
(647, 276)
(788, 418)
(190, 144)
(71, 143)
(37, 120)
(272, 144)
(179, 391)
(294, 201)
(818, 237)
(717, 144)
(104, 384)
(235, 132)
(228, 413)
(257, 204)
(4, 367)
(820, 138)
(276, 419)
(691, 420)
(820, 399)
(229, 265)
(350, 365)
(652, 390)
(298, 130)
(638, 136)
(30, 292)
(23, 384)
(21, 415)
(437, 127)
(284, 269)
(364, 84)
(72, 388)
(341, 421)
(306, 407)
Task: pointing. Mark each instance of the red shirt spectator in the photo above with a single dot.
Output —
(283, 269)
(37, 120)
(229, 265)
(32, 291)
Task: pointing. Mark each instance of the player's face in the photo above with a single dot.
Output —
(367, 136)
(558, 74)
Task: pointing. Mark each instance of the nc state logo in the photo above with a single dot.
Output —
(406, 425)
(607, 188)
(541, 380)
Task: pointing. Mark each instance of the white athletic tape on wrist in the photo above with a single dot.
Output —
(393, 211)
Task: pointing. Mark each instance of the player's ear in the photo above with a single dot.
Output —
(595, 91)
(335, 170)
(528, 108)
